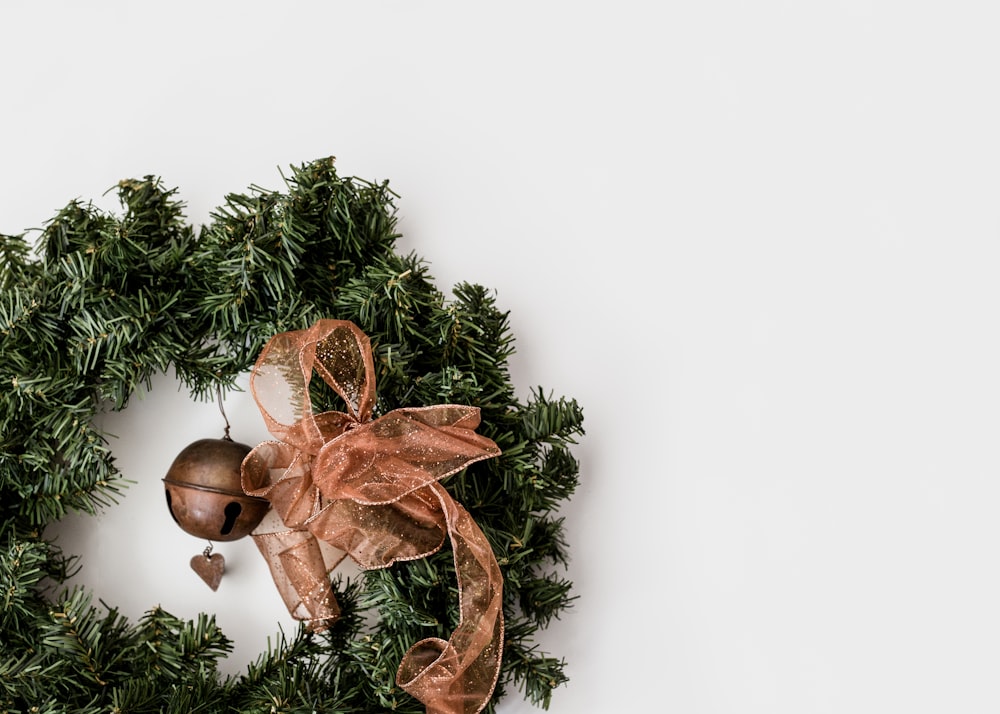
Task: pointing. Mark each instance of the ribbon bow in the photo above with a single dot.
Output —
(370, 488)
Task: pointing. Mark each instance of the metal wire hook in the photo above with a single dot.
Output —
(218, 394)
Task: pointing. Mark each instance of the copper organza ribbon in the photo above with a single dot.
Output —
(370, 489)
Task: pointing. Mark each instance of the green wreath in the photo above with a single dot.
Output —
(105, 301)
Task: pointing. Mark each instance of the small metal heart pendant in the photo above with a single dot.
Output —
(210, 567)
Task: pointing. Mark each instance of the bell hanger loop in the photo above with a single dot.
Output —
(218, 399)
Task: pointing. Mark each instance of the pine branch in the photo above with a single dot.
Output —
(177, 649)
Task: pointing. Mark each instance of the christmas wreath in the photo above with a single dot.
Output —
(99, 302)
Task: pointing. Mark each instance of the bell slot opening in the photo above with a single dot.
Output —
(233, 510)
(170, 507)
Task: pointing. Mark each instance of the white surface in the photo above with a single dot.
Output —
(757, 241)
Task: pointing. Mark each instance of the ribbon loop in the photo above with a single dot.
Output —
(344, 483)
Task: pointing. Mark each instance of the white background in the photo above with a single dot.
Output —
(758, 242)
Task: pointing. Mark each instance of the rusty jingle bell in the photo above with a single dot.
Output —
(206, 500)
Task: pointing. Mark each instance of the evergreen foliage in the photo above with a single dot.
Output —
(109, 300)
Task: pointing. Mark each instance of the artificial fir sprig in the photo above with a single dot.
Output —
(112, 299)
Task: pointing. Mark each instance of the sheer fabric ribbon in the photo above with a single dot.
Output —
(369, 488)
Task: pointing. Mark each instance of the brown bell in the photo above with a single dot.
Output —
(204, 494)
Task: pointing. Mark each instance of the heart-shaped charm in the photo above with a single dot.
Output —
(209, 568)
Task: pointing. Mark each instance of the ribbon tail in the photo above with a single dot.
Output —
(458, 676)
(300, 571)
(300, 565)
